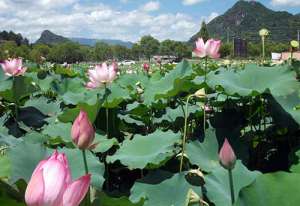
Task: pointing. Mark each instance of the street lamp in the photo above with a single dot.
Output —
(263, 33)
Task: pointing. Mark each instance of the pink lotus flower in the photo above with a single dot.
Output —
(146, 67)
(51, 184)
(13, 67)
(210, 48)
(227, 156)
(83, 132)
(101, 75)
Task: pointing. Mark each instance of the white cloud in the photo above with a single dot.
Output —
(56, 3)
(95, 21)
(191, 2)
(151, 6)
(3, 5)
(211, 16)
(285, 2)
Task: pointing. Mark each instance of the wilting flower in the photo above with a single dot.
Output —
(13, 67)
(51, 184)
(101, 75)
(146, 67)
(227, 156)
(210, 48)
(200, 93)
(83, 132)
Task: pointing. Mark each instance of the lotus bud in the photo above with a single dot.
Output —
(227, 156)
(83, 132)
(146, 67)
(51, 184)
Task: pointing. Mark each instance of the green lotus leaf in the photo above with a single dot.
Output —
(174, 191)
(146, 151)
(174, 82)
(274, 189)
(205, 154)
(47, 107)
(254, 80)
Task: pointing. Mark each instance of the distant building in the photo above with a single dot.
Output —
(164, 59)
(240, 47)
(287, 55)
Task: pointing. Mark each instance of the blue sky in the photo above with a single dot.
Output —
(118, 19)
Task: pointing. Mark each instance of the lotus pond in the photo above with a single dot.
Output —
(158, 136)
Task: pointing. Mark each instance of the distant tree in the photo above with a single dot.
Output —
(204, 32)
(38, 52)
(226, 49)
(136, 51)
(254, 50)
(66, 52)
(11, 36)
(182, 50)
(149, 46)
(88, 53)
(121, 52)
(103, 51)
(167, 47)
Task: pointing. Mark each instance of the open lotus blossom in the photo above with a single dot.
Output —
(101, 75)
(83, 132)
(227, 156)
(13, 67)
(209, 49)
(51, 184)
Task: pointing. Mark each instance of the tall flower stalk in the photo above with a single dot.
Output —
(207, 49)
(210, 48)
(101, 76)
(184, 132)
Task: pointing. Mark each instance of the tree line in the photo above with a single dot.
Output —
(14, 45)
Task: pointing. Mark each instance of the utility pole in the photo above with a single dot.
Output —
(228, 35)
(298, 31)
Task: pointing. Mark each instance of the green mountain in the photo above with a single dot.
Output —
(246, 18)
(48, 37)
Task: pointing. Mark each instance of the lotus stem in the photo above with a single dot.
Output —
(231, 186)
(106, 110)
(88, 197)
(205, 68)
(204, 116)
(204, 113)
(16, 99)
(184, 132)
